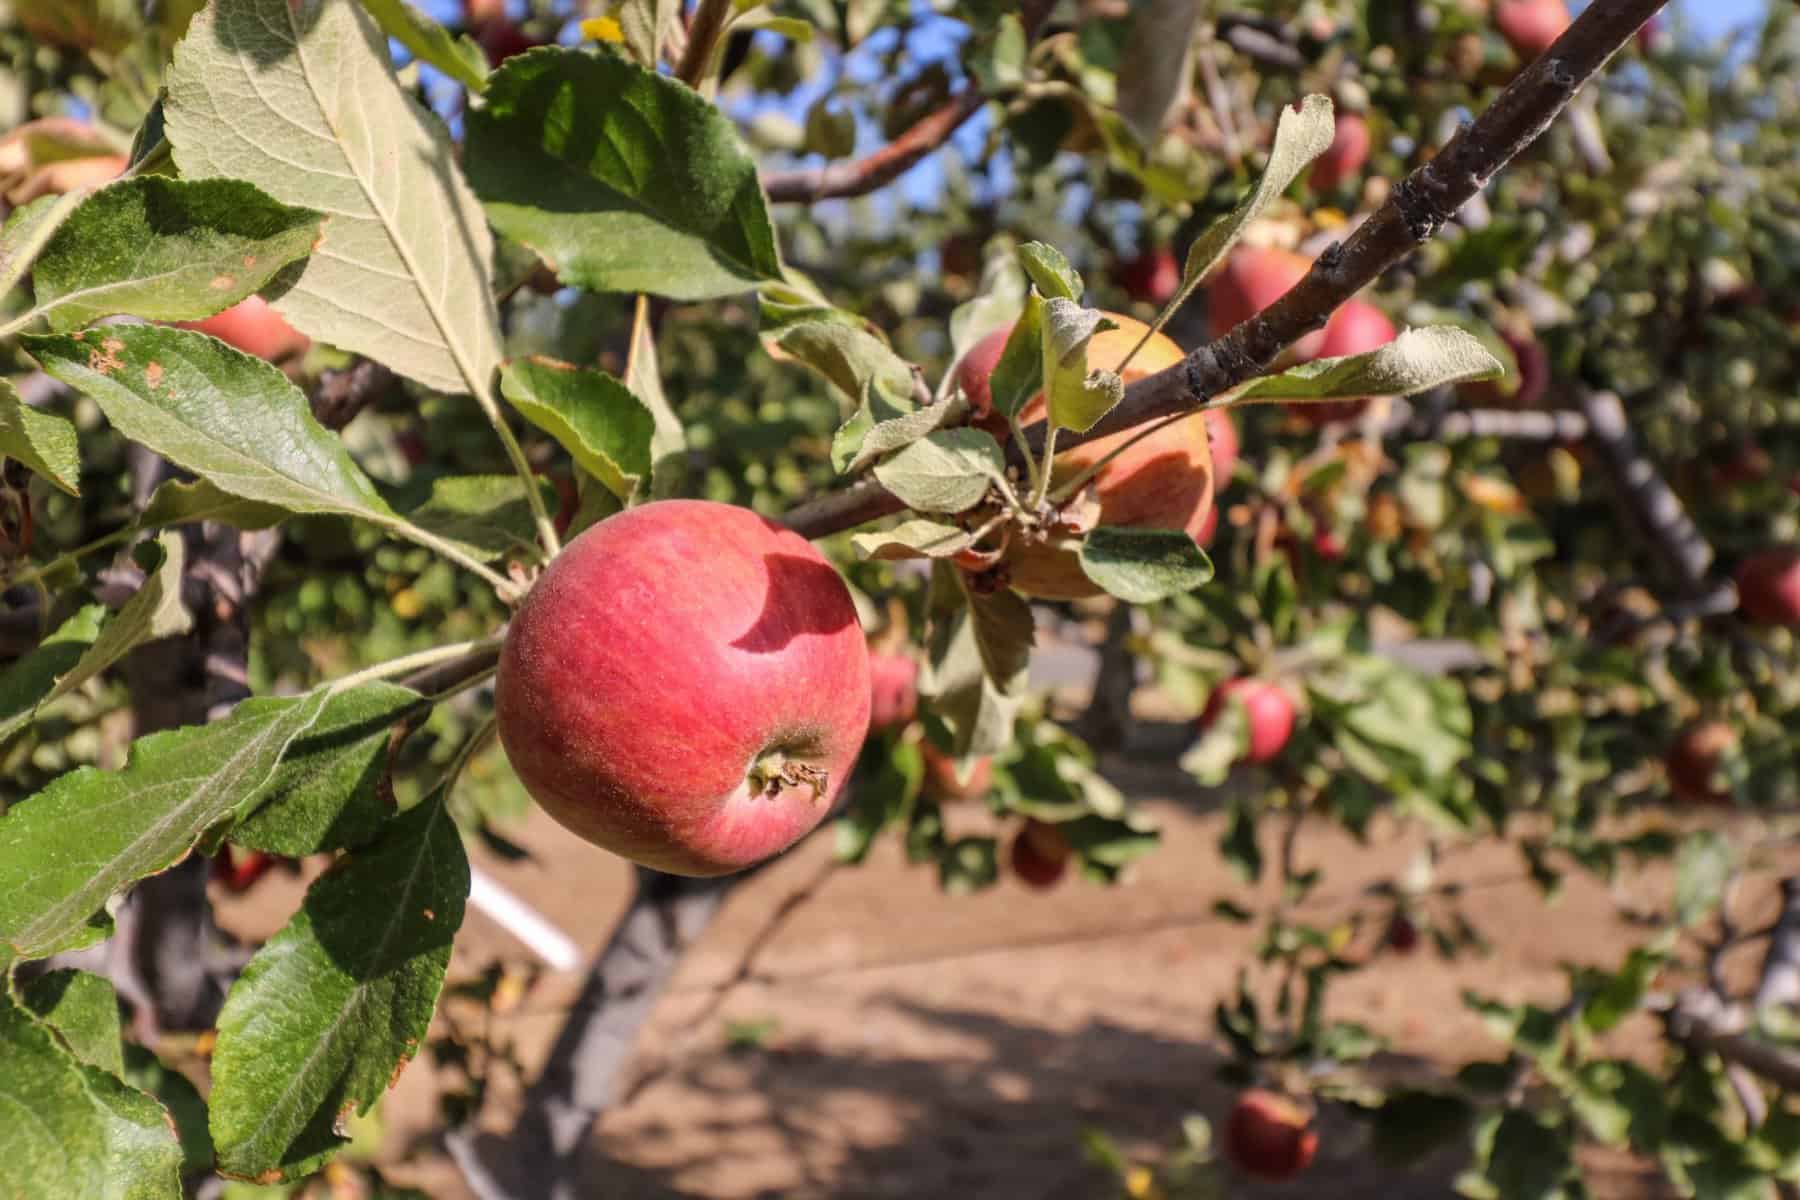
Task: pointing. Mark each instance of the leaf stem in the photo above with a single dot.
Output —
(69, 556)
(412, 662)
(540, 515)
(1043, 474)
(1018, 433)
(508, 589)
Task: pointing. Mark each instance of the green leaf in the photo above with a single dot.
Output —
(873, 431)
(29, 229)
(1220, 744)
(1050, 271)
(593, 416)
(1019, 375)
(485, 515)
(948, 471)
(1702, 866)
(968, 865)
(1156, 71)
(918, 538)
(668, 446)
(1624, 990)
(1078, 398)
(182, 502)
(1004, 633)
(461, 58)
(327, 793)
(1238, 845)
(77, 1133)
(971, 708)
(646, 25)
(81, 648)
(880, 797)
(1410, 1124)
(84, 1010)
(167, 250)
(1142, 566)
(310, 112)
(147, 1073)
(222, 414)
(622, 178)
(332, 1007)
(1528, 1160)
(64, 851)
(1416, 361)
(43, 442)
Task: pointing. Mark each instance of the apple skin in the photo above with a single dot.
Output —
(1040, 855)
(944, 785)
(1343, 160)
(661, 658)
(894, 690)
(1269, 1136)
(1152, 277)
(1270, 710)
(1355, 328)
(1694, 757)
(254, 327)
(1252, 278)
(1769, 587)
(1530, 26)
(1164, 481)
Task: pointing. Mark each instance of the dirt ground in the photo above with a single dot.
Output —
(925, 1045)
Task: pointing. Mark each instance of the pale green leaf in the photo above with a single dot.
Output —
(1050, 271)
(866, 437)
(154, 611)
(328, 1012)
(792, 28)
(300, 99)
(25, 683)
(917, 538)
(232, 418)
(167, 250)
(1416, 361)
(486, 516)
(1004, 632)
(959, 692)
(458, 57)
(668, 445)
(1077, 398)
(838, 347)
(624, 179)
(29, 229)
(75, 1132)
(605, 429)
(948, 471)
(42, 442)
(182, 502)
(1142, 566)
(84, 1010)
(646, 25)
(68, 848)
(1156, 72)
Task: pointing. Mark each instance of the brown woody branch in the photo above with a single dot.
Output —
(1418, 207)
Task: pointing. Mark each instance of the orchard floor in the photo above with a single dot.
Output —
(924, 1045)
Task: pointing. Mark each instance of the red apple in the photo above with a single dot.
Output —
(1402, 935)
(237, 870)
(1270, 712)
(1251, 279)
(1343, 160)
(501, 39)
(1356, 328)
(1040, 855)
(1530, 26)
(1269, 1136)
(1152, 277)
(894, 698)
(945, 784)
(1694, 757)
(1163, 481)
(255, 328)
(1769, 587)
(1746, 463)
(686, 686)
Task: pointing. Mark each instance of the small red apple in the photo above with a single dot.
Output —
(1694, 757)
(687, 686)
(944, 784)
(1343, 160)
(1269, 1136)
(1530, 26)
(254, 327)
(1251, 279)
(1747, 463)
(1270, 712)
(1040, 855)
(238, 870)
(1402, 935)
(501, 39)
(1356, 328)
(894, 698)
(1769, 587)
(1152, 277)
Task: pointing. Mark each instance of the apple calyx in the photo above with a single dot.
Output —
(774, 772)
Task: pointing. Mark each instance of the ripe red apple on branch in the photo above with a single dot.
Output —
(1269, 1136)
(1040, 855)
(1343, 160)
(687, 686)
(1695, 757)
(1769, 587)
(894, 690)
(1267, 707)
(1163, 481)
(1530, 26)
(1152, 277)
(254, 327)
(1251, 279)
(943, 783)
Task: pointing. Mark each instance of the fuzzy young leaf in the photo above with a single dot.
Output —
(1416, 361)
(332, 1007)
(64, 851)
(1142, 566)
(625, 179)
(875, 431)
(327, 793)
(461, 58)
(232, 418)
(43, 442)
(668, 445)
(645, 25)
(182, 502)
(945, 472)
(593, 416)
(89, 1136)
(487, 516)
(300, 99)
(154, 611)
(1077, 398)
(167, 250)
(1050, 271)
(918, 538)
